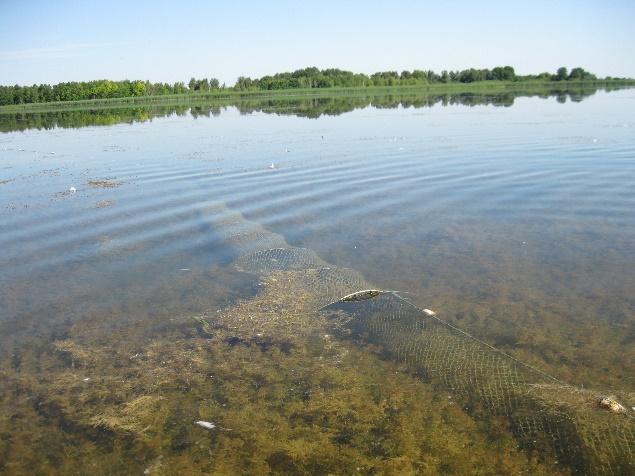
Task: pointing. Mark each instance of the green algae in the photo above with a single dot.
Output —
(285, 395)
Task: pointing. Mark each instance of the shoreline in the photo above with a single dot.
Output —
(226, 96)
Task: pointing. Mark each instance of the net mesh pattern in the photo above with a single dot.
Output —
(548, 417)
(279, 259)
(544, 414)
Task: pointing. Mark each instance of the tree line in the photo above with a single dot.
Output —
(101, 89)
(303, 107)
(328, 78)
(302, 78)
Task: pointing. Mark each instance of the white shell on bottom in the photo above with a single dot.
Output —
(206, 424)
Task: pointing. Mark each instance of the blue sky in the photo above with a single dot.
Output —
(53, 41)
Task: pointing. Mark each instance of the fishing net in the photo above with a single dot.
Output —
(586, 431)
(279, 259)
(547, 416)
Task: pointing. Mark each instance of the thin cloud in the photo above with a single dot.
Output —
(52, 51)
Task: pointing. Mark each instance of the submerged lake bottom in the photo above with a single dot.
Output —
(180, 288)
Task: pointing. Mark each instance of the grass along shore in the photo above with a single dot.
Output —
(229, 94)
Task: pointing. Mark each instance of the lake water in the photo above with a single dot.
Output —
(513, 219)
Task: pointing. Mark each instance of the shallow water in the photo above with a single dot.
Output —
(514, 223)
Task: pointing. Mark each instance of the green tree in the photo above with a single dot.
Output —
(580, 74)
(561, 74)
(503, 73)
(138, 88)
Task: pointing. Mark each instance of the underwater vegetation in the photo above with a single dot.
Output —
(285, 396)
(266, 384)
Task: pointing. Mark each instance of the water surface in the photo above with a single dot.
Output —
(513, 219)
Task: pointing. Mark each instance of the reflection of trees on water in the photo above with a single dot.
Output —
(302, 107)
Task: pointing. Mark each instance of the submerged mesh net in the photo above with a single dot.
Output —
(279, 259)
(548, 417)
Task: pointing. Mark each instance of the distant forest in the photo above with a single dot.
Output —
(302, 78)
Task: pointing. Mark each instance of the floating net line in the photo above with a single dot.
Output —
(588, 432)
